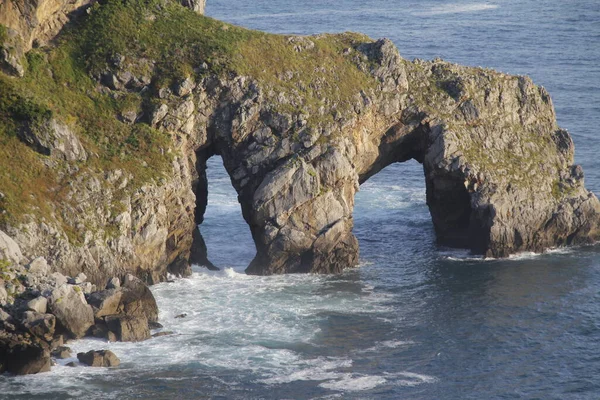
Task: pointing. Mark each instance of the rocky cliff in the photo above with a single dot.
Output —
(106, 136)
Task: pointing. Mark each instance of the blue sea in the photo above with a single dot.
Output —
(414, 321)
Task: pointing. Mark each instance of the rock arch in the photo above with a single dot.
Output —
(499, 171)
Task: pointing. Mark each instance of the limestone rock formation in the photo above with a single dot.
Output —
(300, 123)
(125, 313)
(37, 21)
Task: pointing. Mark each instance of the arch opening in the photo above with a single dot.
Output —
(391, 216)
(445, 192)
(222, 237)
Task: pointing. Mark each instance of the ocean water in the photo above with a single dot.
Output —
(415, 321)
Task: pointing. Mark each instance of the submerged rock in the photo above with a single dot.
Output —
(164, 333)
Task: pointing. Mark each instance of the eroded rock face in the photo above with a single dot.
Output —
(32, 23)
(53, 138)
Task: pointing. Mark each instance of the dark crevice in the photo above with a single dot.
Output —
(450, 207)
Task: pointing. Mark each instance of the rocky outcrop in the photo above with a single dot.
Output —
(298, 133)
(125, 313)
(35, 23)
(196, 5)
(71, 310)
(499, 171)
(300, 123)
(32, 23)
(35, 320)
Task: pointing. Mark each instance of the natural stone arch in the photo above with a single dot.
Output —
(479, 135)
(298, 195)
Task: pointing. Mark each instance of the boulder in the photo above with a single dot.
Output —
(38, 266)
(3, 295)
(58, 279)
(40, 325)
(53, 138)
(86, 287)
(9, 249)
(138, 299)
(196, 5)
(79, 279)
(22, 357)
(113, 283)
(99, 358)
(125, 313)
(6, 321)
(128, 328)
(39, 304)
(10, 63)
(57, 341)
(105, 302)
(71, 310)
(61, 352)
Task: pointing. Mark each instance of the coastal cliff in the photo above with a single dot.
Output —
(106, 136)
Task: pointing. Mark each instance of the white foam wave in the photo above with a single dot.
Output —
(460, 255)
(318, 369)
(389, 197)
(236, 322)
(388, 344)
(354, 383)
(457, 8)
(413, 379)
(465, 255)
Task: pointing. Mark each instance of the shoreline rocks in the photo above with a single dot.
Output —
(35, 321)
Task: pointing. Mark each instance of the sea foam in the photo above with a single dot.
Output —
(457, 8)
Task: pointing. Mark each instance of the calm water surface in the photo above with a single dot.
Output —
(415, 321)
